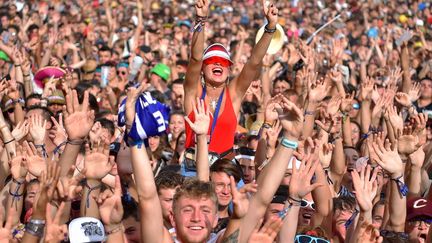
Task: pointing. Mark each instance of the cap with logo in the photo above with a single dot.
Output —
(86, 229)
(419, 207)
(162, 71)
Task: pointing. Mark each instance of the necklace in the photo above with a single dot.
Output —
(213, 103)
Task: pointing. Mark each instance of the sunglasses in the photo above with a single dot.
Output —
(10, 111)
(221, 61)
(309, 239)
(305, 203)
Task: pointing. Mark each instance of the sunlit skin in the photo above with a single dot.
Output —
(154, 142)
(417, 234)
(339, 219)
(176, 125)
(132, 230)
(215, 74)
(378, 216)
(306, 213)
(248, 168)
(194, 219)
(166, 196)
(223, 190)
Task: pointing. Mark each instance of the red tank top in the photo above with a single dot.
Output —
(224, 131)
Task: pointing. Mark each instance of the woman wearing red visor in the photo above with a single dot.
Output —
(207, 77)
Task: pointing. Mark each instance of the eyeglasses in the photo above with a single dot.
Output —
(309, 239)
(305, 203)
(417, 223)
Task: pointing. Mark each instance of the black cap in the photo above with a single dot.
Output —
(145, 49)
(281, 195)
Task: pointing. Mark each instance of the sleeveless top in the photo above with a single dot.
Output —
(222, 138)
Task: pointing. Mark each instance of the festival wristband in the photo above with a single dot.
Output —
(289, 144)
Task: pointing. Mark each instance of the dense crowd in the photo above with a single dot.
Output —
(216, 121)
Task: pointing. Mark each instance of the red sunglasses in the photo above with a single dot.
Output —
(222, 61)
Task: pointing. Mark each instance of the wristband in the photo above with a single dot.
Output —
(267, 30)
(403, 188)
(309, 113)
(295, 200)
(115, 230)
(10, 141)
(289, 144)
(76, 141)
(35, 229)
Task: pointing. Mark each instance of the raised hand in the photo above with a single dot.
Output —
(78, 118)
(58, 133)
(365, 187)
(291, 118)
(202, 118)
(417, 158)
(318, 91)
(271, 13)
(325, 154)
(366, 89)
(110, 205)
(97, 161)
(48, 181)
(408, 142)
(55, 232)
(395, 119)
(38, 129)
(403, 99)
(268, 232)
(132, 96)
(35, 161)
(387, 157)
(395, 75)
(68, 186)
(271, 135)
(18, 165)
(271, 114)
(414, 92)
(202, 7)
(240, 197)
(333, 105)
(300, 184)
(21, 130)
(367, 233)
(335, 76)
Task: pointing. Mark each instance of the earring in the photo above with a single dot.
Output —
(202, 80)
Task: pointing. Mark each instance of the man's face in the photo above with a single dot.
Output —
(378, 216)
(166, 199)
(272, 210)
(32, 190)
(248, 167)
(279, 87)
(194, 219)
(177, 95)
(339, 219)
(426, 89)
(417, 231)
(222, 187)
(104, 57)
(132, 230)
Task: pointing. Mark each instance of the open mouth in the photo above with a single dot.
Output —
(307, 215)
(423, 237)
(217, 71)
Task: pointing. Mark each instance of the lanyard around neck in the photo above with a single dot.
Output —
(216, 113)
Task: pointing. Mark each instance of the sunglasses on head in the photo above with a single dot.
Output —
(305, 203)
(219, 60)
(309, 239)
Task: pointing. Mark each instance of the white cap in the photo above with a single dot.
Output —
(86, 229)
(296, 161)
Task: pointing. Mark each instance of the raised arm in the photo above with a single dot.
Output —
(151, 222)
(200, 128)
(271, 176)
(241, 83)
(193, 71)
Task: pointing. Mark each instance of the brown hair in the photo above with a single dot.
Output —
(196, 189)
(228, 167)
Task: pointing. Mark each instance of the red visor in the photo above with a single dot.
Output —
(213, 60)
